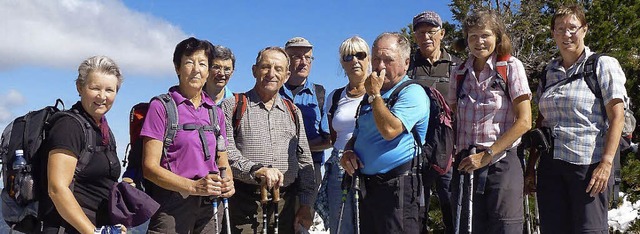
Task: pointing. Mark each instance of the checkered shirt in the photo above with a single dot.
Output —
(269, 137)
(484, 111)
(574, 113)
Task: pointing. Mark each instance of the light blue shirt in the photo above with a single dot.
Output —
(315, 120)
(379, 155)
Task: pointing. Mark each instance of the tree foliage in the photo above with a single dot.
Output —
(613, 28)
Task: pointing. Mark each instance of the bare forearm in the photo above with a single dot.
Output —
(615, 113)
(168, 180)
(68, 207)
(522, 124)
(388, 125)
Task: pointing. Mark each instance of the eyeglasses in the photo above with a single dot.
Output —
(359, 55)
(572, 30)
(432, 33)
(297, 58)
(218, 69)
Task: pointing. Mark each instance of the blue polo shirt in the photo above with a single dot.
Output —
(379, 155)
(315, 121)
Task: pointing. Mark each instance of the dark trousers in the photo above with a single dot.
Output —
(193, 214)
(390, 205)
(442, 183)
(564, 205)
(500, 208)
(246, 210)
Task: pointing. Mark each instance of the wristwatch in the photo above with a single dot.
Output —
(373, 97)
(489, 152)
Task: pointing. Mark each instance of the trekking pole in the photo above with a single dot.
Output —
(459, 202)
(225, 203)
(527, 215)
(537, 218)
(472, 151)
(276, 214)
(264, 200)
(356, 196)
(215, 208)
(345, 185)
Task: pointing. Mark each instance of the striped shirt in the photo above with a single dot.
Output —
(484, 111)
(574, 113)
(269, 137)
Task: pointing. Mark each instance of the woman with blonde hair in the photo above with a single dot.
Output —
(341, 109)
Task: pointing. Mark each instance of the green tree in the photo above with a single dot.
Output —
(613, 28)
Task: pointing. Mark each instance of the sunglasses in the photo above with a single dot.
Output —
(359, 55)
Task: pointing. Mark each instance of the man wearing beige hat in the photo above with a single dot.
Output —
(309, 98)
(431, 62)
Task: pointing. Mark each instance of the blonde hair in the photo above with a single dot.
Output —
(353, 45)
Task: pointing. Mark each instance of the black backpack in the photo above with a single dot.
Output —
(21, 193)
(437, 150)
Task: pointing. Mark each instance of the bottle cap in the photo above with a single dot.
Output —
(21, 152)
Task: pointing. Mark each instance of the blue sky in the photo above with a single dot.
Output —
(43, 42)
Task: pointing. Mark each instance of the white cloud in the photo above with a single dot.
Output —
(62, 33)
(7, 101)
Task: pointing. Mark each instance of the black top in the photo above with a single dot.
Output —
(91, 187)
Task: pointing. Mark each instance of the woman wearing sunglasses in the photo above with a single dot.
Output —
(342, 105)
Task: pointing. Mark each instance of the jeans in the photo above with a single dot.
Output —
(334, 173)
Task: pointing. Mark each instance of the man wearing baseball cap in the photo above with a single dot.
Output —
(309, 98)
(431, 62)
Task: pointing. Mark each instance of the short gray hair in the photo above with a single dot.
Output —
(224, 53)
(404, 47)
(100, 63)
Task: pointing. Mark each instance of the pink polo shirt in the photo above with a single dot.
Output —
(185, 156)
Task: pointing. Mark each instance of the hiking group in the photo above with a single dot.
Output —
(213, 161)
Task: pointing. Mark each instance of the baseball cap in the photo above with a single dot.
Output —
(298, 42)
(428, 17)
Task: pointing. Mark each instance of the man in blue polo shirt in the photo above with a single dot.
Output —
(382, 147)
(309, 97)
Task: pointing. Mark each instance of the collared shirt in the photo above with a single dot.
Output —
(438, 72)
(315, 119)
(484, 111)
(574, 113)
(379, 155)
(269, 137)
(185, 156)
(227, 94)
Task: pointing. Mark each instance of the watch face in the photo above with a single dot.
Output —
(371, 98)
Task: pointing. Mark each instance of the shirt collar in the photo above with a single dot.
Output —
(490, 62)
(179, 98)
(254, 100)
(421, 60)
(556, 64)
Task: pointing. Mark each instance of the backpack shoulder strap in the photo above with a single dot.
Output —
(171, 110)
(320, 96)
(292, 112)
(461, 74)
(502, 68)
(89, 136)
(213, 117)
(334, 102)
(590, 75)
(238, 110)
(393, 97)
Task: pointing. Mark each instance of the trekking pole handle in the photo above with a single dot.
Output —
(276, 194)
(264, 194)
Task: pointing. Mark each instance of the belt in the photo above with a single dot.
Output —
(403, 169)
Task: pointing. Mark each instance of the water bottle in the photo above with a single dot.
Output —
(19, 163)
